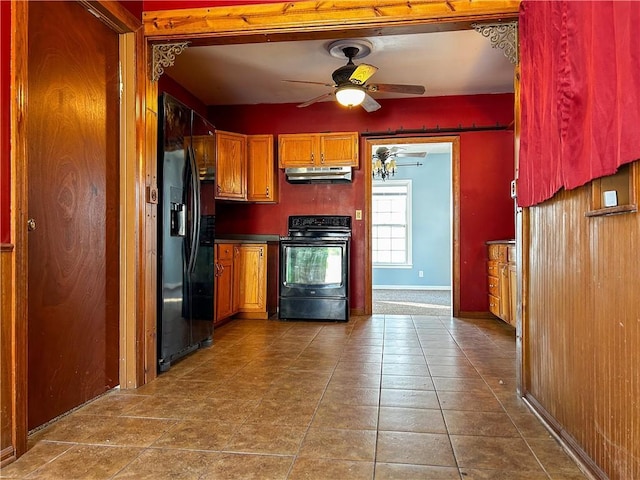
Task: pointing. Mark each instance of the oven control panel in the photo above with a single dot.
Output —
(316, 222)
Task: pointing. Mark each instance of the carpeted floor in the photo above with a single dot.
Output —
(412, 302)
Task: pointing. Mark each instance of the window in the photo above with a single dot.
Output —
(391, 223)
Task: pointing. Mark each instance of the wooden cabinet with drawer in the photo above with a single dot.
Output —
(501, 280)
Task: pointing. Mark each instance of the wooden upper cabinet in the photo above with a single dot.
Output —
(339, 149)
(231, 166)
(296, 150)
(262, 176)
(204, 147)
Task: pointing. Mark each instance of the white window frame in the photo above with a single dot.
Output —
(408, 222)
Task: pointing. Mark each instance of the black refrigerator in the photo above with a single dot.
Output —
(186, 231)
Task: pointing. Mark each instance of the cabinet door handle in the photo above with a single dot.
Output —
(261, 252)
(267, 191)
(322, 158)
(312, 159)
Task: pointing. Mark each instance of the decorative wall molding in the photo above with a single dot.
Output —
(164, 55)
(501, 35)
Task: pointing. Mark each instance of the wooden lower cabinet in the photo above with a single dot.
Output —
(501, 282)
(251, 268)
(246, 280)
(224, 281)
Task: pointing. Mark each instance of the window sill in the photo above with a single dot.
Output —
(601, 212)
(388, 265)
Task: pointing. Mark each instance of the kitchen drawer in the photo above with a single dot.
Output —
(494, 287)
(494, 305)
(498, 252)
(225, 251)
(492, 268)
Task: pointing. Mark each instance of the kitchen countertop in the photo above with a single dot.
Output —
(247, 238)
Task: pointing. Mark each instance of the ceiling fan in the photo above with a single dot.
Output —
(350, 80)
(384, 163)
(384, 153)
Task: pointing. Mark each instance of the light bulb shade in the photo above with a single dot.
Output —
(350, 95)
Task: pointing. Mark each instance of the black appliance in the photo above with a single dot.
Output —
(314, 268)
(186, 232)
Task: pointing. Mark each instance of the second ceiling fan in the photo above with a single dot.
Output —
(350, 80)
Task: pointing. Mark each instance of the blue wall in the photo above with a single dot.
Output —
(431, 212)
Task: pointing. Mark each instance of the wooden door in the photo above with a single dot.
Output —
(339, 149)
(231, 166)
(262, 178)
(252, 281)
(297, 150)
(73, 197)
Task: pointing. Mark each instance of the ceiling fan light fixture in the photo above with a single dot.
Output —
(350, 95)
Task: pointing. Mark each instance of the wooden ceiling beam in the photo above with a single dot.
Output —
(321, 19)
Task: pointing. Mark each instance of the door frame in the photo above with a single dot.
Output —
(127, 26)
(306, 20)
(454, 140)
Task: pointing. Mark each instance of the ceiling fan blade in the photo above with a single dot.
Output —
(369, 104)
(362, 73)
(312, 83)
(396, 88)
(410, 155)
(314, 100)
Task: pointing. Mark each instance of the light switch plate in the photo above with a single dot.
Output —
(610, 198)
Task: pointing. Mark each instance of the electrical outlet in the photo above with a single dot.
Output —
(421, 273)
(358, 214)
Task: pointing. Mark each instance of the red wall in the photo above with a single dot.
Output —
(170, 86)
(486, 169)
(134, 6)
(5, 110)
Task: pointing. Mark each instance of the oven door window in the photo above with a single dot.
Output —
(317, 265)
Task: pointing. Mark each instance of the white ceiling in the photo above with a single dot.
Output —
(446, 63)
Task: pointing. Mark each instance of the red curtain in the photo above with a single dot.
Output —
(580, 93)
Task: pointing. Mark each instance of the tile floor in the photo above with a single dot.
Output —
(380, 397)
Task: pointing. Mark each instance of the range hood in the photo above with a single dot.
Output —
(318, 175)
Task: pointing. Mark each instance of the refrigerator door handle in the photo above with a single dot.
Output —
(195, 210)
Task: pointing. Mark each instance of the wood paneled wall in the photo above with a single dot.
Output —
(582, 332)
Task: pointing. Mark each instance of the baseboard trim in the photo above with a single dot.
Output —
(568, 443)
(475, 315)
(7, 456)
(410, 287)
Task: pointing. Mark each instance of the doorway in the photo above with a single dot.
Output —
(424, 278)
(73, 200)
(411, 234)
